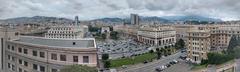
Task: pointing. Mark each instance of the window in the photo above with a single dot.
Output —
(16, 33)
(9, 65)
(25, 51)
(8, 46)
(75, 58)
(9, 57)
(54, 70)
(63, 57)
(74, 43)
(42, 54)
(25, 63)
(34, 53)
(19, 70)
(13, 67)
(54, 56)
(85, 59)
(13, 48)
(42, 68)
(20, 50)
(35, 67)
(20, 61)
(13, 58)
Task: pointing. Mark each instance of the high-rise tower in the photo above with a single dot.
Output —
(76, 20)
(134, 19)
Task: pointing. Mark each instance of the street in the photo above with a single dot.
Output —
(180, 67)
(150, 67)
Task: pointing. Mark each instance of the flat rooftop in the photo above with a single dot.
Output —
(66, 43)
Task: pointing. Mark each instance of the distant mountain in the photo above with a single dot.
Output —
(191, 18)
(164, 19)
(154, 19)
(110, 20)
(142, 19)
(36, 19)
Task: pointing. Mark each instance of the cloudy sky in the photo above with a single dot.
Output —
(92, 9)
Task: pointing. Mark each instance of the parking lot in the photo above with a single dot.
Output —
(121, 48)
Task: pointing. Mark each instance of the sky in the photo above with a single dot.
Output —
(93, 9)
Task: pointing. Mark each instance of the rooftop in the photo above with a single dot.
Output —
(63, 43)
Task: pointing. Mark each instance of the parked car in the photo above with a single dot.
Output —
(159, 69)
(172, 63)
(182, 51)
(124, 66)
(183, 57)
(175, 61)
(145, 62)
(164, 67)
(168, 65)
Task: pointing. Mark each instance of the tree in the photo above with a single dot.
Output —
(164, 51)
(93, 29)
(165, 47)
(78, 68)
(151, 51)
(157, 49)
(110, 28)
(233, 43)
(169, 51)
(159, 53)
(104, 36)
(114, 35)
(105, 56)
(236, 52)
(106, 63)
(218, 58)
(204, 61)
(180, 44)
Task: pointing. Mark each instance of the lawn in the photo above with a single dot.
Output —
(133, 60)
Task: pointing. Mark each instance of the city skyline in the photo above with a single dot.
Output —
(86, 10)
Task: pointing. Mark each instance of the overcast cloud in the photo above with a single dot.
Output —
(92, 9)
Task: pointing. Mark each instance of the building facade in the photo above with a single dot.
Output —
(36, 54)
(71, 31)
(67, 32)
(62, 45)
(6, 34)
(209, 38)
(198, 43)
(157, 35)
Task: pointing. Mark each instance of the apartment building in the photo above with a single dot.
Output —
(67, 31)
(62, 45)
(198, 43)
(209, 38)
(157, 35)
